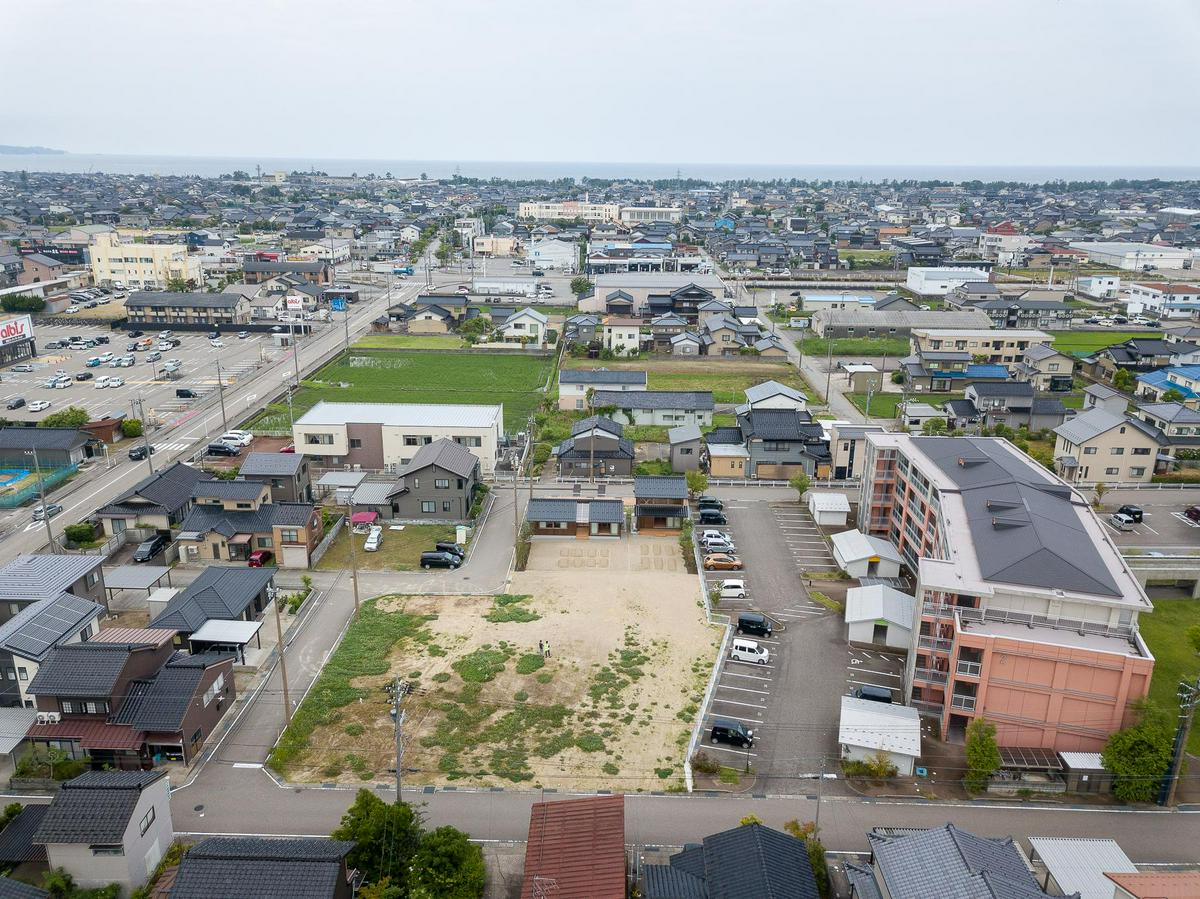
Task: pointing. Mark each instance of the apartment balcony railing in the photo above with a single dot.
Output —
(937, 609)
(966, 703)
(929, 675)
(1004, 616)
(935, 644)
(972, 669)
(930, 708)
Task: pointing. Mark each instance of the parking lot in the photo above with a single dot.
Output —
(803, 537)
(1163, 528)
(873, 667)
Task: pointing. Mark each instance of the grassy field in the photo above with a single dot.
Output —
(883, 405)
(409, 342)
(400, 550)
(398, 377)
(1082, 343)
(869, 258)
(1175, 660)
(727, 380)
(855, 346)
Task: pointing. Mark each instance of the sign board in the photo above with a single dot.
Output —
(337, 304)
(14, 330)
(295, 304)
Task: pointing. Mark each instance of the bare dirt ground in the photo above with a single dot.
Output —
(611, 706)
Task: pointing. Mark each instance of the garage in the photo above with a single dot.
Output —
(293, 555)
(879, 615)
(829, 509)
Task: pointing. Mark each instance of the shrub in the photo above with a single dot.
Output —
(983, 755)
(84, 532)
(703, 763)
(22, 303)
(132, 427)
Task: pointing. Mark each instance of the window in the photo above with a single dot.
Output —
(318, 439)
(1137, 472)
(1117, 451)
(412, 441)
(1112, 471)
(263, 542)
(441, 483)
(23, 673)
(289, 535)
(355, 443)
(1141, 451)
(445, 505)
(461, 483)
(469, 441)
(1089, 451)
(775, 446)
(147, 820)
(685, 451)
(107, 849)
(243, 505)
(214, 689)
(429, 507)
(91, 579)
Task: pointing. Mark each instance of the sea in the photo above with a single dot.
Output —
(212, 166)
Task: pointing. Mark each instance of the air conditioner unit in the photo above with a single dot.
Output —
(346, 467)
(193, 552)
(43, 718)
(357, 467)
(53, 717)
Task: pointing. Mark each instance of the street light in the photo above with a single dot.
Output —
(42, 494)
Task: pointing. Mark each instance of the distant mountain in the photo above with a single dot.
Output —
(6, 150)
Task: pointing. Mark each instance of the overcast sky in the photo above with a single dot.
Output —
(792, 81)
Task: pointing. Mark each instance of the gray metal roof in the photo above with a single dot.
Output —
(1080, 863)
(687, 400)
(668, 486)
(758, 392)
(16, 841)
(271, 464)
(227, 490)
(217, 593)
(683, 434)
(869, 318)
(443, 453)
(254, 868)
(203, 519)
(748, 862)
(599, 422)
(41, 626)
(29, 578)
(546, 509)
(66, 439)
(600, 376)
(159, 704)
(169, 490)
(94, 807)
(1088, 425)
(141, 298)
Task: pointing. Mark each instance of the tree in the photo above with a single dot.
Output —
(386, 836)
(580, 285)
(697, 482)
(983, 755)
(22, 303)
(799, 483)
(1122, 380)
(382, 889)
(1139, 756)
(934, 426)
(71, 417)
(1171, 396)
(132, 427)
(1100, 489)
(178, 285)
(447, 866)
(1193, 635)
(750, 819)
(474, 329)
(807, 832)
(84, 532)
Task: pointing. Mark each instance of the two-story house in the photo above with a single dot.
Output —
(1018, 313)
(664, 327)
(1046, 369)
(574, 384)
(597, 447)
(1176, 381)
(1010, 403)
(1099, 445)
(438, 484)
(1139, 354)
(29, 579)
(783, 442)
(33, 633)
(287, 474)
(229, 520)
(660, 503)
(621, 336)
(158, 502)
(524, 326)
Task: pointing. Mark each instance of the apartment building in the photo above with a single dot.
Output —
(386, 436)
(545, 211)
(1166, 300)
(641, 214)
(1026, 612)
(144, 266)
(996, 347)
(160, 307)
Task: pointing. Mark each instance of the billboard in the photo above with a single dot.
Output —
(337, 304)
(14, 330)
(295, 304)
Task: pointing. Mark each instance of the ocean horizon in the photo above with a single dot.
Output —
(212, 166)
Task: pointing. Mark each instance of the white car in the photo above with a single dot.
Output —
(165, 346)
(374, 538)
(115, 382)
(175, 362)
(236, 438)
(72, 309)
(217, 343)
(39, 405)
(107, 357)
(101, 382)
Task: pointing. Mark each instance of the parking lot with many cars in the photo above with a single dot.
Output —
(1160, 521)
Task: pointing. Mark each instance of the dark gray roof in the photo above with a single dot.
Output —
(159, 704)
(597, 421)
(203, 519)
(445, 454)
(623, 450)
(94, 807)
(1001, 388)
(1026, 526)
(271, 464)
(169, 490)
(600, 376)
(227, 490)
(14, 889)
(16, 841)
(724, 435)
(42, 625)
(82, 669)
(255, 868)
(546, 509)
(1173, 412)
(33, 577)
(779, 424)
(1047, 405)
(189, 300)
(948, 861)
(667, 486)
(690, 400)
(748, 862)
(606, 511)
(220, 593)
(66, 439)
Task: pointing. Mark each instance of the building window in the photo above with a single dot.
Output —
(318, 439)
(445, 505)
(91, 578)
(147, 820)
(1089, 451)
(468, 441)
(1112, 471)
(13, 608)
(1117, 450)
(441, 483)
(355, 443)
(243, 505)
(107, 849)
(289, 535)
(1141, 451)
(264, 542)
(1137, 472)
(429, 507)
(23, 673)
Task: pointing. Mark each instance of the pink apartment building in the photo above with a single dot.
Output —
(1026, 613)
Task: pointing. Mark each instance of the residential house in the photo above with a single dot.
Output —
(971, 293)
(665, 327)
(913, 415)
(582, 329)
(660, 502)
(1021, 313)
(1098, 445)
(160, 501)
(55, 447)
(31, 578)
(258, 271)
(621, 336)
(231, 519)
(943, 861)
(1101, 396)
(576, 517)
(846, 447)
(37, 268)
(1099, 287)
(34, 632)
(308, 867)
(574, 384)
(686, 445)
(1010, 403)
(773, 395)
(783, 442)
(630, 293)
(656, 407)
(287, 474)
(210, 309)
(438, 484)
(769, 863)
(427, 318)
(1045, 369)
(597, 447)
(725, 453)
(217, 594)
(578, 845)
(108, 827)
(525, 326)
(1139, 354)
(1166, 300)
(1183, 380)
(994, 347)
(1175, 426)
(687, 344)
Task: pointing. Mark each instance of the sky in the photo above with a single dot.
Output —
(920, 82)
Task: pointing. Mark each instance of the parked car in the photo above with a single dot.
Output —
(148, 549)
(223, 449)
(451, 548)
(754, 623)
(374, 539)
(749, 651)
(212, 335)
(1134, 512)
(39, 405)
(135, 333)
(709, 502)
(1192, 513)
(237, 438)
(139, 452)
(439, 560)
(712, 516)
(217, 343)
(873, 693)
(84, 376)
(41, 513)
(714, 535)
(72, 309)
(1121, 522)
(185, 393)
(732, 588)
(242, 335)
(24, 366)
(718, 545)
(259, 558)
(722, 562)
(16, 402)
(101, 382)
(733, 733)
(153, 356)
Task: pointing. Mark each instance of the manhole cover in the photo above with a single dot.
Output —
(198, 808)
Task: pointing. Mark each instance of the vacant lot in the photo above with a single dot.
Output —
(727, 380)
(1082, 343)
(1165, 633)
(399, 377)
(855, 346)
(612, 706)
(408, 342)
(400, 550)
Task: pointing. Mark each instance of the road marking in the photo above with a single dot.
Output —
(740, 752)
(748, 676)
(873, 671)
(737, 718)
(749, 705)
(744, 690)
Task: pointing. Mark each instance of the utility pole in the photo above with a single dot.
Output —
(1189, 698)
(828, 368)
(141, 414)
(287, 702)
(820, 787)
(221, 397)
(295, 348)
(353, 557)
(399, 690)
(42, 495)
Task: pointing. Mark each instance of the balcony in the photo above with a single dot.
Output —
(971, 669)
(928, 708)
(937, 610)
(931, 676)
(965, 703)
(935, 644)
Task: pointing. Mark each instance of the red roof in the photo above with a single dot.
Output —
(1003, 228)
(578, 845)
(89, 734)
(1159, 884)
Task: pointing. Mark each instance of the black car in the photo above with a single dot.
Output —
(131, 347)
(440, 560)
(451, 548)
(136, 334)
(139, 452)
(538, 273)
(712, 516)
(223, 449)
(1134, 512)
(16, 402)
(185, 394)
(101, 339)
(84, 376)
(754, 623)
(213, 335)
(148, 549)
(710, 502)
(732, 732)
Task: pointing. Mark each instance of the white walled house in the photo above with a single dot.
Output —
(1166, 300)
(574, 384)
(867, 728)
(524, 326)
(937, 282)
(1099, 287)
(555, 254)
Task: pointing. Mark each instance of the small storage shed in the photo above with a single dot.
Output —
(863, 555)
(829, 509)
(868, 727)
(879, 615)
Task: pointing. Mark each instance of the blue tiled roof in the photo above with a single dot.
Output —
(1161, 378)
(987, 371)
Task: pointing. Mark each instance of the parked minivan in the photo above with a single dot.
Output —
(450, 548)
(185, 393)
(712, 516)
(732, 588)
(1121, 521)
(873, 693)
(749, 651)
(732, 732)
(439, 560)
(754, 623)
(374, 539)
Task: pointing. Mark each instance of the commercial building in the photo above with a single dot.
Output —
(16, 339)
(1133, 257)
(556, 254)
(1164, 299)
(1025, 612)
(164, 308)
(639, 214)
(386, 436)
(866, 322)
(937, 282)
(142, 266)
(545, 211)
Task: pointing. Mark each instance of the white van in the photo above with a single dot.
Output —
(749, 651)
(374, 538)
(734, 588)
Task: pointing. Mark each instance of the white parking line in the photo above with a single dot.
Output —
(873, 671)
(747, 676)
(744, 690)
(749, 705)
(741, 752)
(738, 718)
